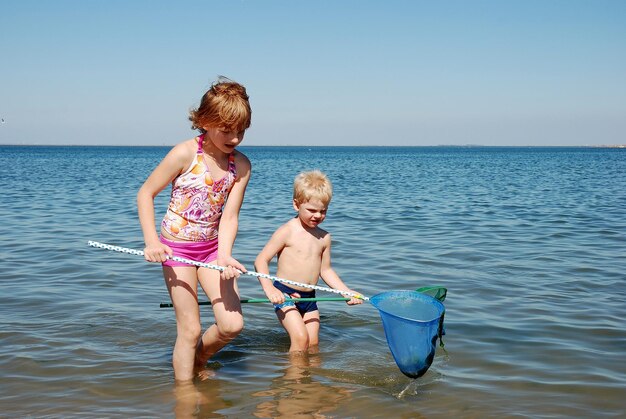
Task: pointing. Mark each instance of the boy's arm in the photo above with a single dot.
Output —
(261, 264)
(330, 277)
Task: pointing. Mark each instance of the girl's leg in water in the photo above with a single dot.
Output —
(182, 284)
(224, 297)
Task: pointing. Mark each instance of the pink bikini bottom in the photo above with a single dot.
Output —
(199, 251)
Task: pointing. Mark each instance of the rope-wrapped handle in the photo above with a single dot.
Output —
(221, 268)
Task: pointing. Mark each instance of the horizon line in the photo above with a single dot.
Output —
(320, 146)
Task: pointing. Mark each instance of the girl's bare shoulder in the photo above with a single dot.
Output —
(183, 152)
(241, 161)
(186, 147)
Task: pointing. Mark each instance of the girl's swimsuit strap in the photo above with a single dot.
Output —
(200, 141)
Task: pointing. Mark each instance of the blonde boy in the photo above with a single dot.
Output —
(303, 251)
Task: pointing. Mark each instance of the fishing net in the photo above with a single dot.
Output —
(412, 321)
(439, 293)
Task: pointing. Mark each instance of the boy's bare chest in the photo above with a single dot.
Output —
(305, 246)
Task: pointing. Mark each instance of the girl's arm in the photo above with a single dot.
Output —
(229, 222)
(330, 277)
(261, 264)
(170, 167)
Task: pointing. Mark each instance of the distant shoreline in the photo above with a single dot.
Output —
(336, 146)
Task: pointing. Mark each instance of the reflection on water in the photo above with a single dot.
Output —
(296, 394)
(201, 398)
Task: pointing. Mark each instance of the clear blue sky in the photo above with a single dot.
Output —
(336, 72)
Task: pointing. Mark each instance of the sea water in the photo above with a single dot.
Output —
(530, 242)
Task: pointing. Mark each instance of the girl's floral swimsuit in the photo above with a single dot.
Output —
(197, 200)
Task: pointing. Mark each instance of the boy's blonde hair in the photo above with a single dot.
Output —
(312, 185)
(225, 105)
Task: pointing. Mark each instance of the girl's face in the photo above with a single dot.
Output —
(311, 213)
(224, 140)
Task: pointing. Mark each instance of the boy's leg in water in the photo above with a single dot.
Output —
(291, 320)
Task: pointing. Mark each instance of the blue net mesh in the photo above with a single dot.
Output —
(412, 323)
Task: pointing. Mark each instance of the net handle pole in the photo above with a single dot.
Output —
(221, 269)
(266, 300)
(423, 290)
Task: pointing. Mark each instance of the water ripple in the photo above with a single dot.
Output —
(529, 242)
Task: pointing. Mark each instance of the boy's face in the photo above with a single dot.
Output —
(311, 213)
